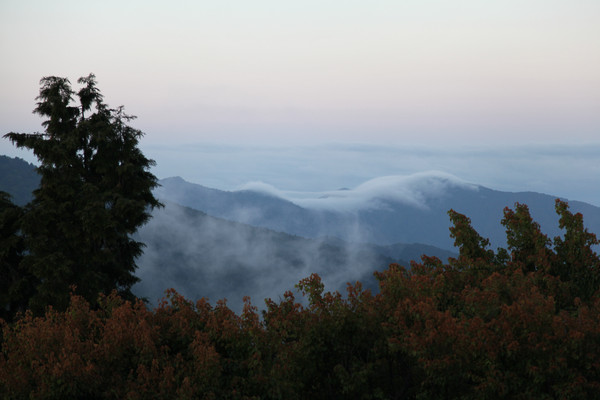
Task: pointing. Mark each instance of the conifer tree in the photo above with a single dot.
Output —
(95, 192)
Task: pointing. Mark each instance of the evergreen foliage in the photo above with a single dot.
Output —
(95, 191)
(15, 284)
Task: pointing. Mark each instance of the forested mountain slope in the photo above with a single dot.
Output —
(19, 178)
(204, 256)
(397, 212)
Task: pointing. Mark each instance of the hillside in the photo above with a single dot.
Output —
(200, 255)
(19, 178)
(204, 256)
(385, 212)
(214, 243)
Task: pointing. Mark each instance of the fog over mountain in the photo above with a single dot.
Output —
(260, 240)
(387, 210)
(204, 256)
(256, 242)
(569, 169)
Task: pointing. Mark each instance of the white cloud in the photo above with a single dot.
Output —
(305, 173)
(262, 187)
(412, 189)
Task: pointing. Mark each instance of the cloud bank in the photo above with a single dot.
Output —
(413, 190)
(203, 256)
(566, 170)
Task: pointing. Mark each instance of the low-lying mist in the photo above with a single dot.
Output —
(383, 211)
(203, 256)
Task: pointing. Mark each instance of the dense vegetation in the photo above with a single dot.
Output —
(516, 323)
(95, 191)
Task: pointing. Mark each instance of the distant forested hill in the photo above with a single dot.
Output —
(18, 178)
(386, 219)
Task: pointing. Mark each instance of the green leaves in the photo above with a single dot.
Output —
(468, 241)
(16, 285)
(89, 93)
(528, 246)
(576, 261)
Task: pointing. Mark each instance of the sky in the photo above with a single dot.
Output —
(316, 95)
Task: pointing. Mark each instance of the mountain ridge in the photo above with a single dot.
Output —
(385, 221)
(216, 243)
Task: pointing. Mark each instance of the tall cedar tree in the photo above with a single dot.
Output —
(95, 191)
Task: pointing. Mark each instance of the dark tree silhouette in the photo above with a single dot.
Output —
(95, 191)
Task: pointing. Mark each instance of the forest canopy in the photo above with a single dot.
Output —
(522, 322)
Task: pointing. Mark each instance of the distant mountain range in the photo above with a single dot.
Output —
(397, 211)
(260, 242)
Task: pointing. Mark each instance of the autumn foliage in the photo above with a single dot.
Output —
(517, 323)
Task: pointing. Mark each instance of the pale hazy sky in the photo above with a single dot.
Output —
(384, 73)
(377, 71)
